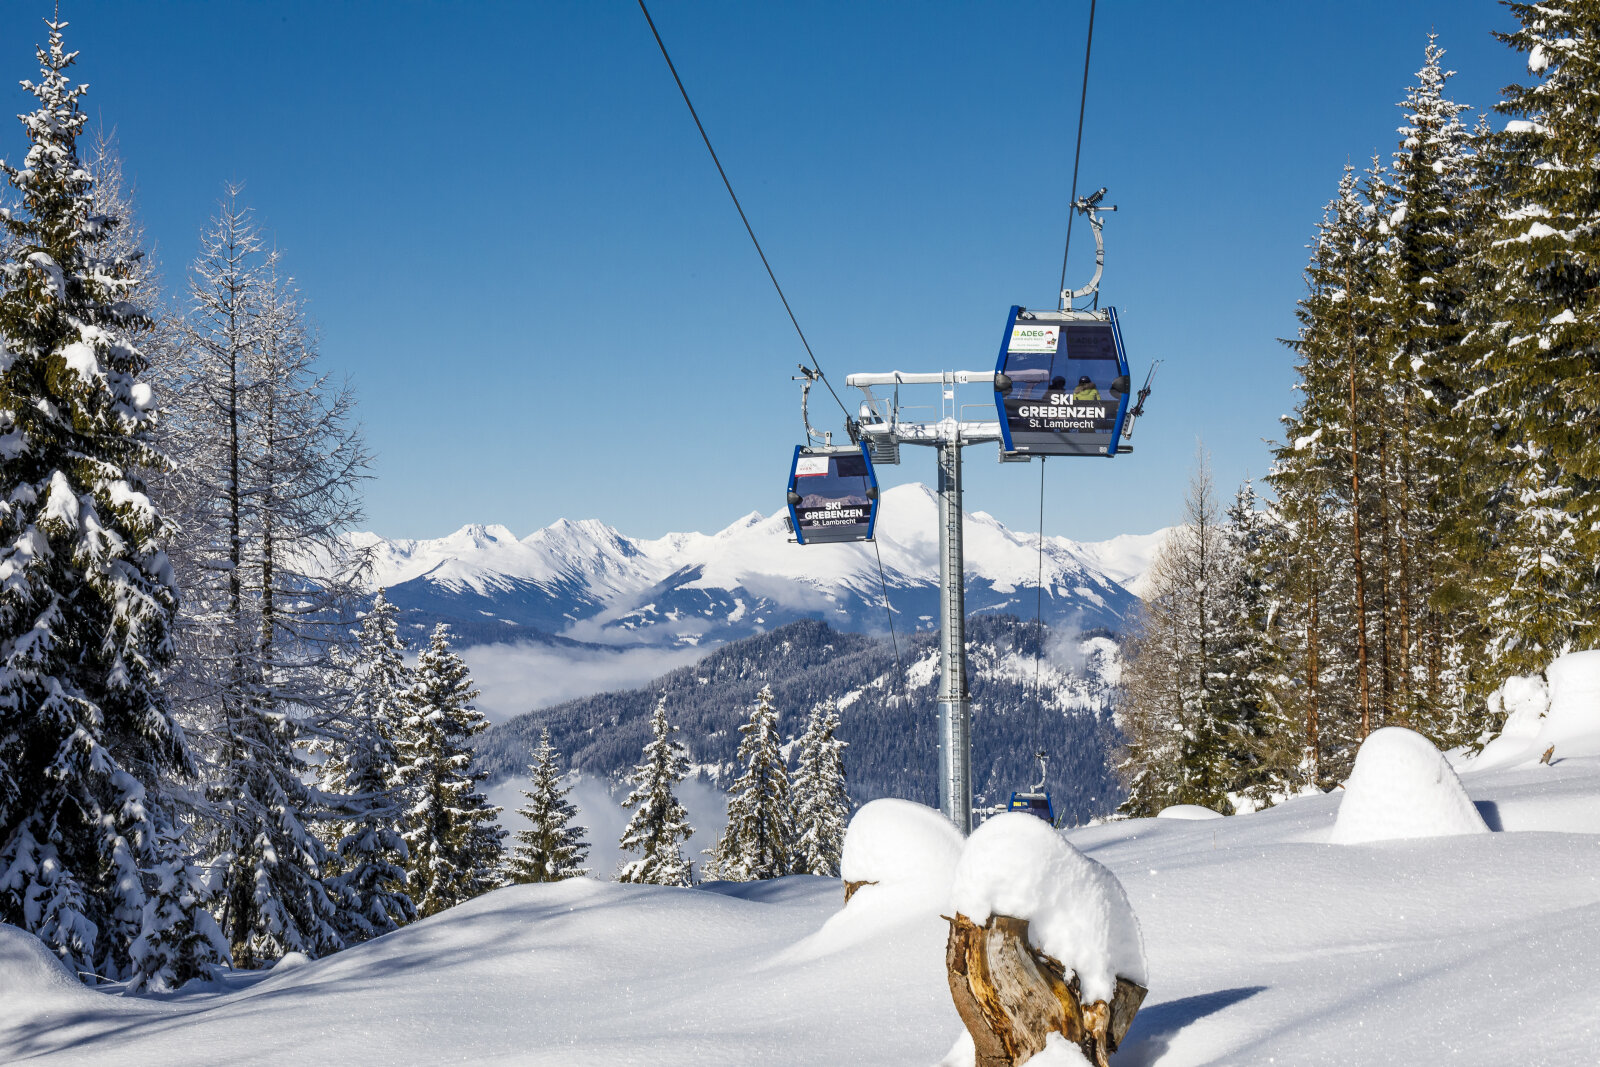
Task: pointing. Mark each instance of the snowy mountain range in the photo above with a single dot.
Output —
(584, 582)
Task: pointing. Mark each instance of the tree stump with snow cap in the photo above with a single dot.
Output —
(850, 888)
(1012, 997)
(1044, 941)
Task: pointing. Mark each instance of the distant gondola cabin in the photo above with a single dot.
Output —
(833, 495)
(1033, 804)
(1061, 383)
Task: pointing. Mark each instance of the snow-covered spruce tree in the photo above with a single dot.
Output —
(659, 823)
(1541, 366)
(759, 837)
(1249, 674)
(821, 799)
(1306, 597)
(179, 928)
(454, 842)
(1279, 735)
(1331, 481)
(1437, 508)
(1361, 333)
(552, 848)
(1535, 613)
(114, 198)
(270, 861)
(90, 859)
(361, 776)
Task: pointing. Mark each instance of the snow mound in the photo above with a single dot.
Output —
(1565, 713)
(962, 1054)
(1077, 911)
(908, 852)
(898, 843)
(1187, 811)
(1524, 700)
(1574, 698)
(1057, 1052)
(1402, 787)
(33, 977)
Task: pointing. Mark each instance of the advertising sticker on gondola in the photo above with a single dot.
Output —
(1026, 338)
(1062, 383)
(832, 496)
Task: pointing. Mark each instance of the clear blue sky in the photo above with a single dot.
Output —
(515, 243)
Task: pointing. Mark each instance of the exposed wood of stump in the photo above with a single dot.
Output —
(1011, 996)
(851, 887)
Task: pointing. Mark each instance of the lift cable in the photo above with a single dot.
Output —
(882, 581)
(900, 670)
(1038, 588)
(740, 208)
(1077, 156)
(1077, 152)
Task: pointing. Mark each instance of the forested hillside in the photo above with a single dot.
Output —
(891, 729)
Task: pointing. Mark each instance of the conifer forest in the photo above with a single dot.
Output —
(1431, 520)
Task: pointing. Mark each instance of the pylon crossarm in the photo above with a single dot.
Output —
(900, 377)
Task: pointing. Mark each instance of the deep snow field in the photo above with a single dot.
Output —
(1265, 943)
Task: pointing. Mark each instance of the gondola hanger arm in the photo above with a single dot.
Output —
(1090, 205)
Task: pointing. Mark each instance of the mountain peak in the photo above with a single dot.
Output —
(744, 522)
(480, 535)
(571, 530)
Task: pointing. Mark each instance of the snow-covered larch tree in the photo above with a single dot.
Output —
(303, 472)
(267, 460)
(821, 798)
(757, 841)
(270, 863)
(90, 859)
(1173, 711)
(454, 842)
(659, 823)
(361, 775)
(552, 847)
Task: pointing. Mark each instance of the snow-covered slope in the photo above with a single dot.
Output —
(1126, 558)
(1265, 943)
(587, 581)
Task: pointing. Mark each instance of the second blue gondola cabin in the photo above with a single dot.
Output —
(833, 495)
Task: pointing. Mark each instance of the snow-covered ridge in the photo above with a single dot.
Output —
(585, 579)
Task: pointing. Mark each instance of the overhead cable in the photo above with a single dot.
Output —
(1077, 153)
(739, 207)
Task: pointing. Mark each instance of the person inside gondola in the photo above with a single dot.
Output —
(1085, 390)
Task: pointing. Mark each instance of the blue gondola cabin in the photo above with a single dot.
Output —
(1034, 804)
(1061, 383)
(833, 495)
